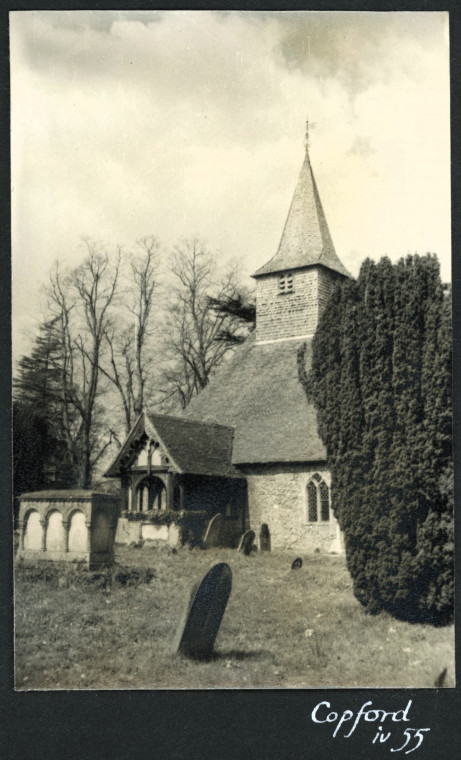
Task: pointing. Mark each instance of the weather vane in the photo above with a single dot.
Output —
(306, 139)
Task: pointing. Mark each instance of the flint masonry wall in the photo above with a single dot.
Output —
(285, 315)
(296, 313)
(277, 496)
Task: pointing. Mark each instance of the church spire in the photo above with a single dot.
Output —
(306, 139)
(306, 239)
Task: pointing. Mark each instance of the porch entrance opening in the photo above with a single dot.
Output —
(150, 494)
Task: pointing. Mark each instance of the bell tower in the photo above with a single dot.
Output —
(294, 286)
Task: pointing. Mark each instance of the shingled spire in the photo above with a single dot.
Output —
(293, 288)
(306, 239)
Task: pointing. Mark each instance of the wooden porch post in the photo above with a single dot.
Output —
(169, 491)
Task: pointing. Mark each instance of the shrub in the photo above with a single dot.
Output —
(190, 522)
(381, 381)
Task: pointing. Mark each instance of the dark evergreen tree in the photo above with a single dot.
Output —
(30, 449)
(239, 311)
(381, 381)
(40, 455)
(37, 379)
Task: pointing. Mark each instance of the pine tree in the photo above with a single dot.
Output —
(381, 381)
(239, 312)
(40, 455)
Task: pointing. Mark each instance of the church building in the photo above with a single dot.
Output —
(264, 461)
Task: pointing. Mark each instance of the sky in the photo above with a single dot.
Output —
(177, 123)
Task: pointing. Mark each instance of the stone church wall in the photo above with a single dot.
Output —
(286, 315)
(296, 313)
(277, 496)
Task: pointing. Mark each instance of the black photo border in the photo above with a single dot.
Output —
(215, 724)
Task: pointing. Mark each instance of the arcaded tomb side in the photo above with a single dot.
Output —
(66, 526)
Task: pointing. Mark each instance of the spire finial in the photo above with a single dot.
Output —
(306, 139)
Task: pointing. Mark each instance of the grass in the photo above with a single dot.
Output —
(281, 628)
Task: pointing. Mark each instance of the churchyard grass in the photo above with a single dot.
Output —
(282, 628)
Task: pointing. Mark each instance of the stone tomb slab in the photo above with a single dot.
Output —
(68, 526)
(264, 538)
(200, 623)
(246, 542)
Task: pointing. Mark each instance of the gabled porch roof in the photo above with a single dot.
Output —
(192, 447)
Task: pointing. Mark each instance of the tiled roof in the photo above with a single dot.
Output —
(259, 392)
(306, 239)
(193, 447)
(196, 447)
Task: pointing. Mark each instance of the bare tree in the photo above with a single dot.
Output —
(80, 302)
(193, 348)
(105, 327)
(129, 359)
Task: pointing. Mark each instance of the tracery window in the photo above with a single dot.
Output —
(318, 500)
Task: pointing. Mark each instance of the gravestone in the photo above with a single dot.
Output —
(264, 538)
(297, 563)
(214, 531)
(200, 623)
(246, 542)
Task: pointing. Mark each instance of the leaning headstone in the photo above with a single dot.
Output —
(264, 538)
(297, 563)
(214, 531)
(246, 542)
(200, 623)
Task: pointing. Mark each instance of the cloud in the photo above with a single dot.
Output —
(79, 21)
(355, 48)
(361, 147)
(126, 124)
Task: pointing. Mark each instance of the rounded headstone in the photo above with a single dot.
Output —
(264, 538)
(246, 542)
(200, 623)
(214, 531)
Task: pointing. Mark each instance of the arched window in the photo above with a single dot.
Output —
(318, 500)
